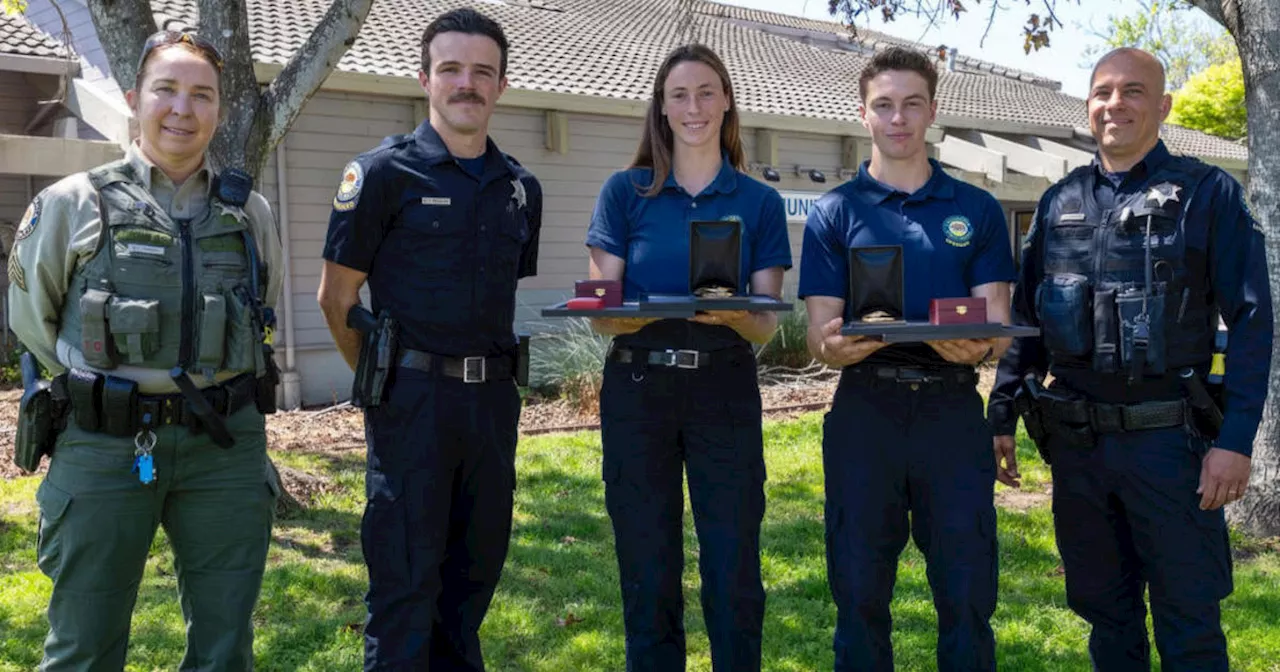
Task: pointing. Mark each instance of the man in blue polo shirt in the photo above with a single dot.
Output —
(442, 225)
(906, 432)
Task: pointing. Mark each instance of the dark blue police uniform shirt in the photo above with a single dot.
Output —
(1217, 221)
(953, 236)
(652, 235)
(443, 248)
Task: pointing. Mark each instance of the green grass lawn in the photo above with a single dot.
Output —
(558, 607)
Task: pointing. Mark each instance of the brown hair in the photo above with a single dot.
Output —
(655, 149)
(464, 20)
(902, 59)
(168, 39)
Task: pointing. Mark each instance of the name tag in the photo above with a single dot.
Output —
(432, 200)
(139, 248)
(1072, 217)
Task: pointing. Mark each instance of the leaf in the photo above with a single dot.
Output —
(13, 7)
(568, 620)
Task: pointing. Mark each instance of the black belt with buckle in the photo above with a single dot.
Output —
(678, 359)
(918, 376)
(173, 409)
(476, 369)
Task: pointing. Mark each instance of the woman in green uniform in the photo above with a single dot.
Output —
(144, 286)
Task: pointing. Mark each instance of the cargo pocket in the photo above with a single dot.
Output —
(135, 328)
(1066, 318)
(53, 507)
(239, 333)
(384, 533)
(213, 331)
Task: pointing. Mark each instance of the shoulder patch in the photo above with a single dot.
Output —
(17, 276)
(29, 219)
(349, 189)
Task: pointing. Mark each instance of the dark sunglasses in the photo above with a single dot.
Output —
(168, 37)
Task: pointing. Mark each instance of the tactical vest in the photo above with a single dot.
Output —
(159, 293)
(1122, 291)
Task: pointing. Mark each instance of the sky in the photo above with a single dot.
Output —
(1064, 60)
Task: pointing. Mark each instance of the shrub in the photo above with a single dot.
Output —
(569, 363)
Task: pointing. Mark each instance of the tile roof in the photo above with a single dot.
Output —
(611, 48)
(18, 37)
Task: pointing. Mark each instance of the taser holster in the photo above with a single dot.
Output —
(379, 351)
(41, 415)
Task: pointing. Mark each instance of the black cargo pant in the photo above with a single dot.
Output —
(1127, 518)
(905, 459)
(440, 482)
(656, 421)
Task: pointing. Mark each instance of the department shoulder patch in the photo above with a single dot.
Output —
(958, 230)
(349, 189)
(29, 220)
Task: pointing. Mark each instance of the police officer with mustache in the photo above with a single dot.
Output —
(441, 225)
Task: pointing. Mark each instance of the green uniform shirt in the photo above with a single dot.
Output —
(60, 232)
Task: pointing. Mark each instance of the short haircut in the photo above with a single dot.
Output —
(1132, 52)
(464, 20)
(902, 59)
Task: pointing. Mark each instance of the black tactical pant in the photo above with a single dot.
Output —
(440, 482)
(656, 422)
(1127, 518)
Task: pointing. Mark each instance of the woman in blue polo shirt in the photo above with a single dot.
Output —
(683, 392)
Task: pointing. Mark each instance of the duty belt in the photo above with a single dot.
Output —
(1115, 418)
(116, 409)
(477, 369)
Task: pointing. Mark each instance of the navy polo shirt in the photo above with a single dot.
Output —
(953, 236)
(1217, 221)
(443, 246)
(652, 235)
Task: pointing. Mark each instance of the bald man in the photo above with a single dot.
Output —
(1128, 267)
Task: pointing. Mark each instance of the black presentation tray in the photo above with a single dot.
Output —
(916, 332)
(627, 309)
(752, 302)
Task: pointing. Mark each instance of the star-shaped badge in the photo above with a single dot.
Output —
(517, 192)
(237, 213)
(1163, 193)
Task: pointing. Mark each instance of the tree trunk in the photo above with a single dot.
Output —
(1255, 25)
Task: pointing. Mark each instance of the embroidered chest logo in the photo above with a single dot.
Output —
(958, 230)
(1163, 193)
(349, 188)
(518, 195)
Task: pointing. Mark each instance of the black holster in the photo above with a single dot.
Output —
(1026, 403)
(267, 383)
(521, 370)
(379, 351)
(41, 416)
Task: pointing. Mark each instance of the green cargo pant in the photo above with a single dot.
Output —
(97, 522)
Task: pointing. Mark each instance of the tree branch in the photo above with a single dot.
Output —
(311, 65)
(1217, 10)
(123, 27)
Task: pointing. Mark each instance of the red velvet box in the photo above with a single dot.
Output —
(608, 291)
(968, 310)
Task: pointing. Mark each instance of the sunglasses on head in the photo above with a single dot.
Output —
(168, 37)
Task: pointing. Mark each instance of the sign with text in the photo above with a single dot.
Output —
(797, 204)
